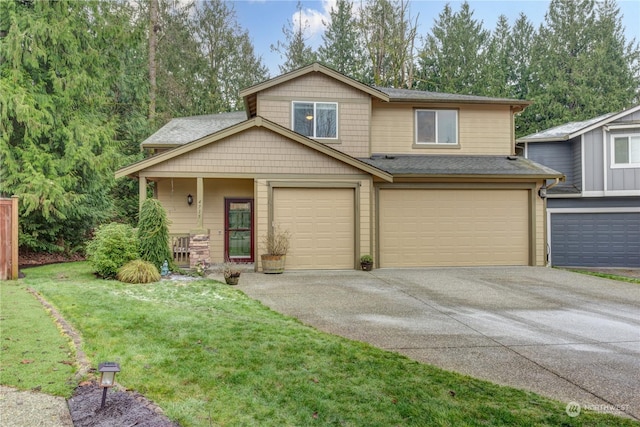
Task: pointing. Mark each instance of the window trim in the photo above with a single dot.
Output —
(436, 143)
(315, 114)
(613, 138)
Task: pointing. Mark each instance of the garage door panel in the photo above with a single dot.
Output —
(453, 227)
(589, 239)
(322, 224)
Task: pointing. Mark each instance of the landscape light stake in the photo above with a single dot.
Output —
(107, 377)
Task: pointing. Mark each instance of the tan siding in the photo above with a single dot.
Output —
(541, 231)
(172, 193)
(481, 130)
(353, 109)
(256, 151)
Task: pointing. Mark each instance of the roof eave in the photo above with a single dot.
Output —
(481, 176)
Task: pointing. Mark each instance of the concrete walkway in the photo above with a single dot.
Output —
(568, 336)
(33, 409)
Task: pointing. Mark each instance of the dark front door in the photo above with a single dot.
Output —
(238, 234)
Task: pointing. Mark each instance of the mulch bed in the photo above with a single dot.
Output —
(31, 259)
(121, 409)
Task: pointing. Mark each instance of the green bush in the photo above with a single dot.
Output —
(153, 233)
(138, 271)
(112, 247)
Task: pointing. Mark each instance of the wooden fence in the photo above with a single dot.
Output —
(9, 238)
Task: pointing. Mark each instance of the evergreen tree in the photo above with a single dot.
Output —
(56, 142)
(521, 40)
(294, 49)
(498, 64)
(341, 48)
(231, 63)
(582, 65)
(389, 34)
(454, 56)
(153, 234)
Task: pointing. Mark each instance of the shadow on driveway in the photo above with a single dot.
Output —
(568, 336)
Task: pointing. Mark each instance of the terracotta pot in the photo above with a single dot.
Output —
(273, 264)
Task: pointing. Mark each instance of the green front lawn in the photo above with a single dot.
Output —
(208, 355)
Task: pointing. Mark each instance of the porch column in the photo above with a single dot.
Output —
(142, 191)
(199, 197)
(200, 237)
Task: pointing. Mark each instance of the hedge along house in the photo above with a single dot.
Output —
(413, 178)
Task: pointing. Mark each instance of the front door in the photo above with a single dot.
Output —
(238, 234)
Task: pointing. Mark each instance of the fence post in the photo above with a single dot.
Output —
(14, 238)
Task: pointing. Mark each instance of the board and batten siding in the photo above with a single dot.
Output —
(556, 155)
(621, 178)
(354, 108)
(482, 130)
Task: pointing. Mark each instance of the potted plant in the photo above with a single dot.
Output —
(276, 244)
(366, 262)
(231, 272)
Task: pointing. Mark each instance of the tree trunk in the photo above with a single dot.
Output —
(153, 41)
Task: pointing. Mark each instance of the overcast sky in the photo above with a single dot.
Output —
(264, 19)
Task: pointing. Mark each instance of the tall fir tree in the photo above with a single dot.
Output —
(389, 32)
(581, 64)
(57, 143)
(294, 49)
(231, 63)
(454, 56)
(342, 48)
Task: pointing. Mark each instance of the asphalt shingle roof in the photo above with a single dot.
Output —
(442, 165)
(563, 132)
(426, 96)
(187, 129)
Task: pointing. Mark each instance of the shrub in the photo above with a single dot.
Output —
(153, 232)
(138, 271)
(276, 241)
(112, 247)
(366, 258)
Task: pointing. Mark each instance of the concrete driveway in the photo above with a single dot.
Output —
(568, 336)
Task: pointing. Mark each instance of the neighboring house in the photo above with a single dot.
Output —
(594, 216)
(413, 178)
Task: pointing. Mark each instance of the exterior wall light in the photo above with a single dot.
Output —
(189, 199)
(108, 372)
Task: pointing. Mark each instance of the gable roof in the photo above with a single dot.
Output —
(182, 130)
(256, 122)
(381, 93)
(461, 166)
(250, 94)
(570, 130)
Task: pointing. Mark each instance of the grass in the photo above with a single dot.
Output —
(34, 354)
(208, 355)
(606, 275)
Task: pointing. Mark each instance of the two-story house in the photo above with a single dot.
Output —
(413, 178)
(594, 215)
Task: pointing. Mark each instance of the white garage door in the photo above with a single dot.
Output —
(321, 221)
(453, 227)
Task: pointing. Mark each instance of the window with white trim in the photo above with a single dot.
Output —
(316, 119)
(436, 126)
(626, 151)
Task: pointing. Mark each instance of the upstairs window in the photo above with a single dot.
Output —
(626, 151)
(316, 119)
(437, 127)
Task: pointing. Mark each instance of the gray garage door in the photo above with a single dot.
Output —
(595, 239)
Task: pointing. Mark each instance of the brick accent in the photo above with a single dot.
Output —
(199, 247)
